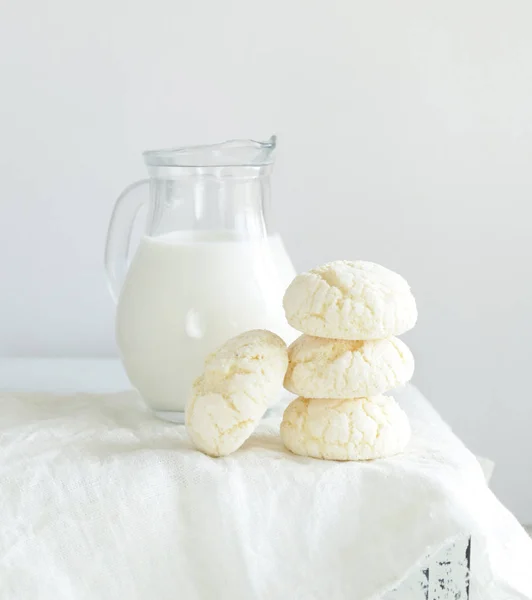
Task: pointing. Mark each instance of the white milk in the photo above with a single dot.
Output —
(183, 297)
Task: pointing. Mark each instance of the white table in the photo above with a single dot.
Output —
(445, 576)
(62, 375)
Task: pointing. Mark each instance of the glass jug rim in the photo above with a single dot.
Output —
(232, 153)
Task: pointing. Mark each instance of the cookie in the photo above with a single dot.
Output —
(327, 368)
(345, 429)
(240, 381)
(350, 300)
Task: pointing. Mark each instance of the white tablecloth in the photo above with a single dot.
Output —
(101, 500)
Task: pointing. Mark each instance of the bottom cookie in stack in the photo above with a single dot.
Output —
(345, 429)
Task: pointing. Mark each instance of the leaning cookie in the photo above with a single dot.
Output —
(348, 429)
(241, 380)
(350, 300)
(327, 368)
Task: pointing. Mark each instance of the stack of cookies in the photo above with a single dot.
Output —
(347, 357)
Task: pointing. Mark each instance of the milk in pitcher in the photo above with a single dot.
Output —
(188, 292)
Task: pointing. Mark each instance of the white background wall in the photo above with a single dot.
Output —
(405, 138)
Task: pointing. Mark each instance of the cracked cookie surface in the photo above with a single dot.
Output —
(345, 429)
(240, 381)
(350, 300)
(329, 368)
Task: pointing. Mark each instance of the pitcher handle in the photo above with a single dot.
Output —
(117, 248)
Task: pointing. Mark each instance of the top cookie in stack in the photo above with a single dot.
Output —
(347, 300)
(349, 313)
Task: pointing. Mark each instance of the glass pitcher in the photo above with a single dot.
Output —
(207, 268)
